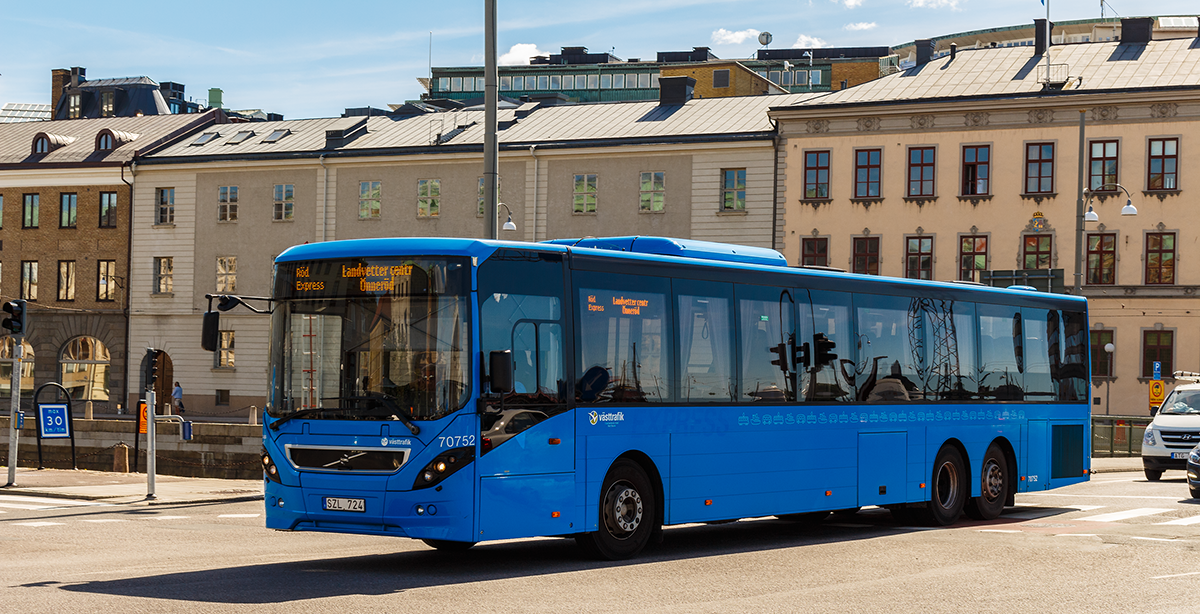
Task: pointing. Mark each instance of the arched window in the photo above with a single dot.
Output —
(41, 145)
(84, 369)
(104, 141)
(6, 355)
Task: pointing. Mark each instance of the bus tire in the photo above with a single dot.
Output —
(628, 513)
(993, 486)
(804, 518)
(948, 488)
(446, 545)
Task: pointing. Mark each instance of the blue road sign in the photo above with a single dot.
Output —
(1157, 370)
(53, 422)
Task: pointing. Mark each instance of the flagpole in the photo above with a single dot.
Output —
(1048, 42)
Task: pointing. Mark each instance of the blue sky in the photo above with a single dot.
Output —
(312, 59)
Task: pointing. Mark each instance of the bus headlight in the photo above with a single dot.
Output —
(269, 468)
(1148, 439)
(443, 466)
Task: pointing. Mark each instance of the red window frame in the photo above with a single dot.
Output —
(1101, 259)
(814, 251)
(1160, 258)
(1039, 168)
(976, 170)
(1162, 168)
(1158, 345)
(1103, 163)
(868, 170)
(921, 171)
(918, 257)
(866, 255)
(970, 249)
(1101, 361)
(1037, 250)
(816, 174)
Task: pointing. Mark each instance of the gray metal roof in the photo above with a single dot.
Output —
(24, 112)
(79, 136)
(1016, 71)
(118, 81)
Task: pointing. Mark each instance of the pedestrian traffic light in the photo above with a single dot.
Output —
(151, 367)
(15, 322)
(780, 360)
(822, 346)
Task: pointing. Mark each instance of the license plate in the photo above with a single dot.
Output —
(1179, 454)
(341, 504)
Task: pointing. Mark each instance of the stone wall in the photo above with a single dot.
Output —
(216, 450)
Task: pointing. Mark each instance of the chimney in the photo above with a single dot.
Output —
(675, 90)
(1040, 41)
(953, 50)
(1137, 29)
(78, 75)
(214, 97)
(924, 50)
(60, 78)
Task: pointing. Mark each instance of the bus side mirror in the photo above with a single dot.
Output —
(500, 367)
(210, 331)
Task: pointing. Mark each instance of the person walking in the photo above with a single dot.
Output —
(177, 398)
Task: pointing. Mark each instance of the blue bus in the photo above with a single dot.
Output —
(463, 390)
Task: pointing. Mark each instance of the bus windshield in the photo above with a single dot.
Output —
(371, 338)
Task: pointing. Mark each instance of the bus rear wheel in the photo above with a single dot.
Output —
(993, 486)
(948, 487)
(446, 545)
(628, 513)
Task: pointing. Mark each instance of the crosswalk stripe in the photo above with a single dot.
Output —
(50, 502)
(36, 524)
(1125, 515)
(103, 519)
(1183, 521)
(169, 517)
(239, 516)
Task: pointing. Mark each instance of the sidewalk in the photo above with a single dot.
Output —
(128, 488)
(1116, 464)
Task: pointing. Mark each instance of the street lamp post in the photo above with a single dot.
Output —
(1108, 347)
(1091, 216)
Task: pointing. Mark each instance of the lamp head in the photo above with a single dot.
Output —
(1108, 347)
(1091, 216)
(1128, 209)
(509, 225)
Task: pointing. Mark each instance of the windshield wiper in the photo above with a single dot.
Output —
(401, 415)
(300, 414)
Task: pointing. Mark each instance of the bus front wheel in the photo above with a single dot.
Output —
(948, 488)
(993, 486)
(627, 513)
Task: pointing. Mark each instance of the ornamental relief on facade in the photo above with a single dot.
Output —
(868, 124)
(976, 120)
(1041, 116)
(922, 122)
(1163, 110)
(818, 126)
(1104, 113)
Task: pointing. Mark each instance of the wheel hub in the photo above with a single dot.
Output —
(993, 481)
(623, 510)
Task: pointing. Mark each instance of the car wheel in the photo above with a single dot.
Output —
(1154, 474)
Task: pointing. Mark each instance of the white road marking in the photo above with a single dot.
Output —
(1177, 575)
(239, 516)
(1125, 515)
(1082, 496)
(1076, 535)
(103, 519)
(1151, 539)
(36, 524)
(169, 517)
(47, 501)
(1183, 521)
(999, 531)
(17, 506)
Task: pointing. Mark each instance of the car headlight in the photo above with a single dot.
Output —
(1194, 457)
(1148, 439)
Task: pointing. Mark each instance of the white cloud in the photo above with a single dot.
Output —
(519, 54)
(853, 3)
(862, 25)
(809, 42)
(933, 4)
(725, 37)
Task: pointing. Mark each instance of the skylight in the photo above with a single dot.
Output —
(239, 137)
(1178, 23)
(276, 135)
(205, 138)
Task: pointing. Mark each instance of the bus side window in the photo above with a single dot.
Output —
(1000, 360)
(1072, 378)
(705, 341)
(833, 380)
(766, 325)
(1041, 329)
(624, 339)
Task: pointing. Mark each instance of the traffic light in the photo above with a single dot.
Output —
(822, 346)
(151, 367)
(780, 360)
(15, 322)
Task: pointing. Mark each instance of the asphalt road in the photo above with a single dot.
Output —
(1115, 544)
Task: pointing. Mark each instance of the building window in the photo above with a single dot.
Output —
(653, 191)
(816, 174)
(429, 195)
(104, 142)
(1101, 259)
(166, 206)
(84, 367)
(68, 208)
(733, 189)
(227, 203)
(283, 202)
(1101, 360)
(226, 273)
(164, 275)
(74, 106)
(66, 280)
(1164, 161)
(918, 258)
(106, 280)
(584, 194)
(1039, 168)
(975, 171)
(41, 145)
(368, 200)
(225, 350)
(721, 78)
(920, 171)
(1160, 258)
(29, 217)
(1036, 252)
(866, 255)
(972, 256)
(29, 280)
(108, 209)
(866, 173)
(1102, 175)
(222, 397)
(814, 252)
(618, 81)
(108, 105)
(1157, 346)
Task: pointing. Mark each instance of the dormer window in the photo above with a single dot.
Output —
(239, 137)
(205, 138)
(41, 145)
(44, 143)
(74, 106)
(276, 135)
(104, 142)
(108, 106)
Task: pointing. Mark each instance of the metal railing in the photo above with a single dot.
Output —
(1118, 435)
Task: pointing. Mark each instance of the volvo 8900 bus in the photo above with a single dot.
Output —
(462, 390)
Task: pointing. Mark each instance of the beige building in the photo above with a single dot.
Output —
(967, 167)
(211, 212)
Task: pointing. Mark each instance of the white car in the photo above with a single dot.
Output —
(1175, 429)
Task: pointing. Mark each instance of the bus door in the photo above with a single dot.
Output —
(526, 459)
